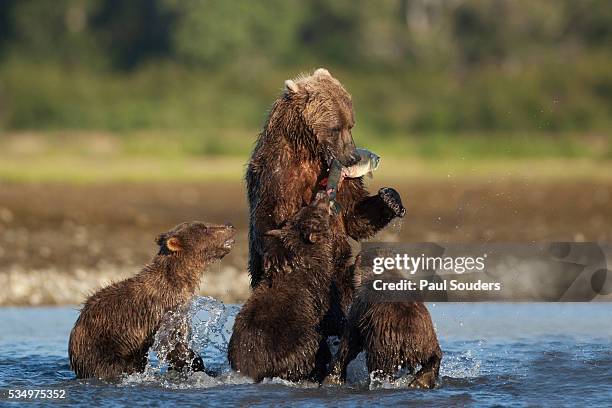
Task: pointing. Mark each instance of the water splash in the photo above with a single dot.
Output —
(455, 367)
(541, 367)
(396, 225)
(402, 382)
(210, 323)
(357, 371)
(287, 383)
(460, 365)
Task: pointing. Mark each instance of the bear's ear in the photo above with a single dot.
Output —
(322, 72)
(173, 244)
(291, 87)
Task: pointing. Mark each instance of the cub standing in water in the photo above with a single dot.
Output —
(394, 335)
(118, 323)
(277, 332)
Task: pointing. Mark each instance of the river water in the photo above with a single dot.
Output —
(544, 354)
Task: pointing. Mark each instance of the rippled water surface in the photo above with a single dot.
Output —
(495, 354)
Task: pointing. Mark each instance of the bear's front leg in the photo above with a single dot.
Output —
(366, 215)
(264, 259)
(351, 345)
(265, 252)
(182, 356)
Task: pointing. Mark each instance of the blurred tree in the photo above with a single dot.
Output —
(590, 21)
(427, 65)
(215, 32)
(51, 30)
(132, 31)
(329, 30)
(479, 30)
(6, 22)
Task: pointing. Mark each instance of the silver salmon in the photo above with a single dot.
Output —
(367, 164)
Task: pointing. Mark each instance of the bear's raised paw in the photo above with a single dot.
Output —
(393, 201)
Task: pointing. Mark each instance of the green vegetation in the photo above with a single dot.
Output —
(86, 169)
(435, 79)
(69, 157)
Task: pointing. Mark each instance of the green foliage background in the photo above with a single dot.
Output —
(439, 77)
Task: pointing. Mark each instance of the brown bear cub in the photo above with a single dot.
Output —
(394, 335)
(277, 331)
(118, 323)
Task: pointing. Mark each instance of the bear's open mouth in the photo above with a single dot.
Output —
(325, 169)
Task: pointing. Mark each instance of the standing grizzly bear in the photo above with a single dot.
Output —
(118, 323)
(394, 335)
(308, 126)
(277, 331)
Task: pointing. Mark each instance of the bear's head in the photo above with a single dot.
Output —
(308, 231)
(197, 241)
(315, 113)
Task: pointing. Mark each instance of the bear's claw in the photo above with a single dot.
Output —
(393, 201)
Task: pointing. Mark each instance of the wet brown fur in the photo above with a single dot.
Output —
(307, 125)
(277, 331)
(393, 335)
(117, 324)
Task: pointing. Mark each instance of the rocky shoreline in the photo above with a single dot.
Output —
(58, 243)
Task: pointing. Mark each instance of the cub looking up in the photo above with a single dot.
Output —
(117, 324)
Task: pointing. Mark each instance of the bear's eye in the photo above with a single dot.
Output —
(336, 129)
